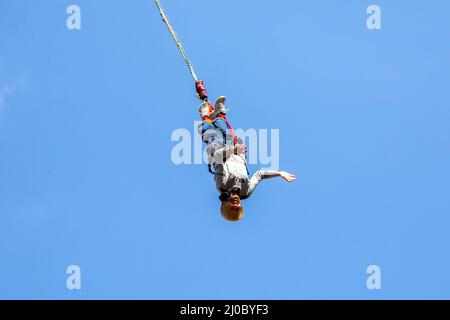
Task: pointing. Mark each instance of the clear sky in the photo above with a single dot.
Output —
(86, 177)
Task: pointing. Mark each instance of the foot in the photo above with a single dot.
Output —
(220, 107)
(205, 110)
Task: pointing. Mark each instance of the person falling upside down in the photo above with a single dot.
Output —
(226, 154)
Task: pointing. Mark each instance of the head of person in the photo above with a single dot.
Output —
(231, 207)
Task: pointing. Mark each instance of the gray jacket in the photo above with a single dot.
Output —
(231, 171)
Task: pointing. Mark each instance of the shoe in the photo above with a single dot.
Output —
(205, 110)
(219, 107)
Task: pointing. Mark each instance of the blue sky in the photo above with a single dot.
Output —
(86, 176)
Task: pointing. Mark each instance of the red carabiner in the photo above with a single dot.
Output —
(201, 90)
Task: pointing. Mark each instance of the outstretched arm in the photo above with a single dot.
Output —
(266, 174)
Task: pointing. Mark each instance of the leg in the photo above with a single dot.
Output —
(221, 124)
(217, 129)
(226, 132)
(209, 132)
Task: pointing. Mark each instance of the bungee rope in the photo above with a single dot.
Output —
(198, 83)
(177, 41)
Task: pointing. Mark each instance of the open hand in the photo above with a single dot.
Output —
(240, 149)
(287, 176)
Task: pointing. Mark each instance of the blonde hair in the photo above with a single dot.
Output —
(229, 214)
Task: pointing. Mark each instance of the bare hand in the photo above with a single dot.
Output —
(240, 149)
(287, 176)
